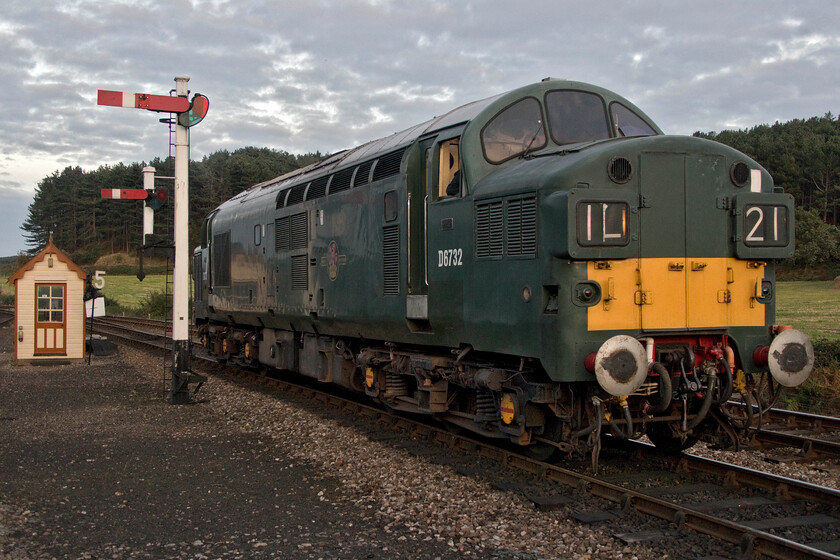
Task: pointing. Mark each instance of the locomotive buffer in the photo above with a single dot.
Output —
(189, 113)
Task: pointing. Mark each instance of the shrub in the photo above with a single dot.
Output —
(157, 305)
(820, 394)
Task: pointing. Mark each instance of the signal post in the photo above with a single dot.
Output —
(181, 373)
(189, 113)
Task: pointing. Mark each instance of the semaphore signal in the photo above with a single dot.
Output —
(159, 103)
(189, 113)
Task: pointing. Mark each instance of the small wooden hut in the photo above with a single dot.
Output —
(49, 308)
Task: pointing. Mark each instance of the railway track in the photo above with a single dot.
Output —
(7, 314)
(759, 513)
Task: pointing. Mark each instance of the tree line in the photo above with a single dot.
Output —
(802, 155)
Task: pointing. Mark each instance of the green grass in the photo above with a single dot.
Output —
(5, 288)
(129, 292)
(811, 307)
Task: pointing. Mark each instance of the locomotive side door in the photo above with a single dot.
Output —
(207, 245)
(417, 202)
(682, 264)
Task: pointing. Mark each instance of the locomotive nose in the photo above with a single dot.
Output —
(791, 358)
(621, 365)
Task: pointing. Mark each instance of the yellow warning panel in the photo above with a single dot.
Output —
(744, 309)
(676, 293)
(662, 293)
(617, 309)
(708, 292)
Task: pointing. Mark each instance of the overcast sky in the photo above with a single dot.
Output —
(326, 75)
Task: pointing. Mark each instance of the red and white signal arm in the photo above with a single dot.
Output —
(125, 194)
(159, 103)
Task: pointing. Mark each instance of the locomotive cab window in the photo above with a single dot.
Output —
(449, 176)
(576, 116)
(628, 123)
(207, 231)
(517, 129)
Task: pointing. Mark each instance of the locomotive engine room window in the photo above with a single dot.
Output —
(221, 259)
(390, 206)
(515, 130)
(450, 164)
(576, 116)
(258, 234)
(628, 123)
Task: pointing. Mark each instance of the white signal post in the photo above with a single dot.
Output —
(189, 113)
(180, 274)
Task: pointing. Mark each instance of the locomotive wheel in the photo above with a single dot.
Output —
(540, 451)
(665, 437)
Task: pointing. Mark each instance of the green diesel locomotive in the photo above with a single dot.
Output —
(542, 266)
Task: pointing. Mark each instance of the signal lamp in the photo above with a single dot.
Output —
(157, 199)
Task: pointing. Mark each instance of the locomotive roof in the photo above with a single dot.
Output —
(370, 150)
(459, 115)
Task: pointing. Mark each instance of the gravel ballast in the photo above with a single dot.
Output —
(95, 464)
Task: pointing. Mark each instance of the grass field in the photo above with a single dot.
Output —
(812, 307)
(4, 286)
(129, 292)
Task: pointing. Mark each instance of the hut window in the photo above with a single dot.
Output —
(50, 303)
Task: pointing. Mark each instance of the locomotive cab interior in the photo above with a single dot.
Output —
(449, 163)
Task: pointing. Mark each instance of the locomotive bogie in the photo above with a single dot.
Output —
(538, 266)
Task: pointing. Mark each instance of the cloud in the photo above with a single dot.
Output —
(325, 75)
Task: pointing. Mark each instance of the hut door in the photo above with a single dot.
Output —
(50, 319)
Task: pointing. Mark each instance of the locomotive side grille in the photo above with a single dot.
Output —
(198, 289)
(391, 260)
(341, 181)
(282, 234)
(363, 175)
(296, 194)
(388, 165)
(299, 232)
(489, 230)
(522, 227)
(300, 272)
(221, 259)
(317, 189)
